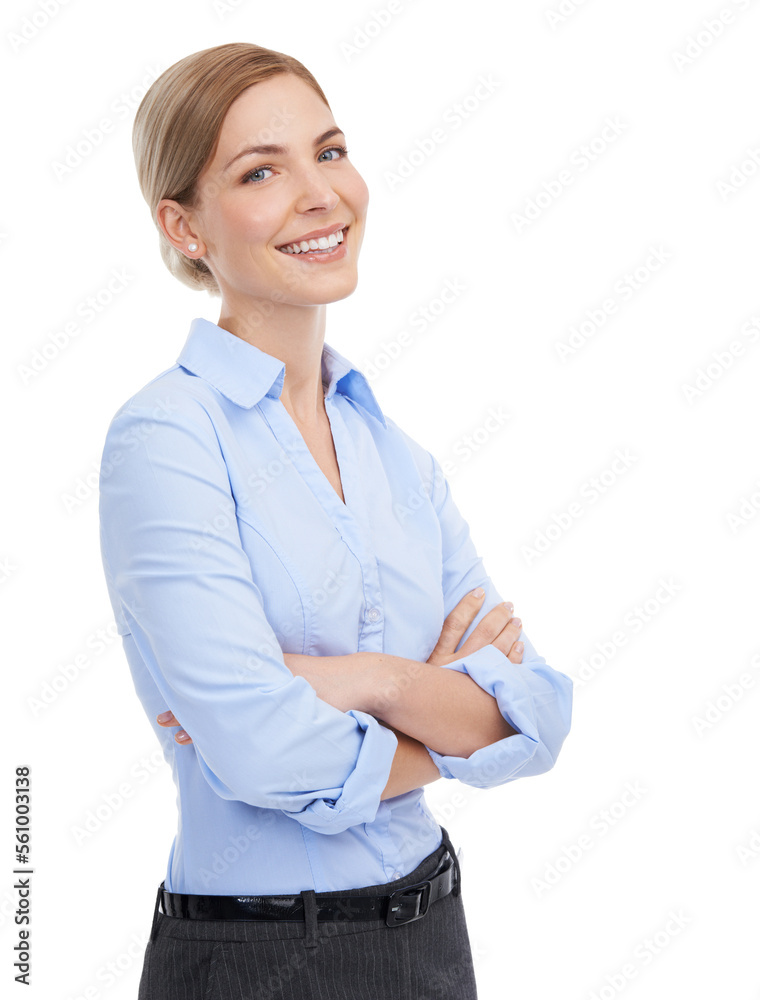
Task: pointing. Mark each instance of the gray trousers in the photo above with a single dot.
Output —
(426, 959)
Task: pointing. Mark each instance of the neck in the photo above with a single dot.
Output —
(295, 335)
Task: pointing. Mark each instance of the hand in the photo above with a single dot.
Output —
(498, 628)
(343, 681)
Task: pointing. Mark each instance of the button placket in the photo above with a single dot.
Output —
(371, 633)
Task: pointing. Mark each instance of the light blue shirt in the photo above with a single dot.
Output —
(224, 546)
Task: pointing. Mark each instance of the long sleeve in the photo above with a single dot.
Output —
(181, 584)
(533, 697)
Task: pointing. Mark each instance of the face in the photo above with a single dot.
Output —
(279, 180)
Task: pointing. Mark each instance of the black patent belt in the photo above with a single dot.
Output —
(408, 903)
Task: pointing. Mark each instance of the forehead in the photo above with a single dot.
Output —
(269, 111)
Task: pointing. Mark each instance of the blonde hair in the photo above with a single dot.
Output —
(177, 125)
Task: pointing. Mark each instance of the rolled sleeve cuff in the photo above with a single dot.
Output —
(535, 701)
(359, 798)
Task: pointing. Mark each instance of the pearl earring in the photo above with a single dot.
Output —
(192, 247)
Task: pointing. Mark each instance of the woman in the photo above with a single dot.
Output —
(289, 572)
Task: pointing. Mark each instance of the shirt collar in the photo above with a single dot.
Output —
(245, 374)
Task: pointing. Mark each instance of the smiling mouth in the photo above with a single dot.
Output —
(321, 245)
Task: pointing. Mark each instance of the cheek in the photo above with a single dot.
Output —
(238, 225)
(253, 230)
(240, 250)
(358, 193)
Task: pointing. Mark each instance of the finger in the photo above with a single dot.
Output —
(507, 638)
(515, 654)
(167, 719)
(488, 628)
(456, 624)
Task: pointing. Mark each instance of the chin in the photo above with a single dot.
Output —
(336, 290)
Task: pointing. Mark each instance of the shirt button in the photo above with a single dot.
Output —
(373, 614)
(396, 875)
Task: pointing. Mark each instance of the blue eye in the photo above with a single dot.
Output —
(335, 149)
(249, 177)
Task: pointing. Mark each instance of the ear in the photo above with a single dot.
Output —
(177, 226)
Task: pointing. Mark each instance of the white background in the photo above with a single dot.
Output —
(547, 918)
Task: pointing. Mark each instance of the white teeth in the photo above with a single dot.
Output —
(323, 243)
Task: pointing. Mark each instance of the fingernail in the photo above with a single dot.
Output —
(478, 592)
(182, 737)
(519, 646)
(517, 622)
(509, 606)
(164, 716)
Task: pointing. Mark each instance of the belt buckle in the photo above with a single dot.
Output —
(417, 895)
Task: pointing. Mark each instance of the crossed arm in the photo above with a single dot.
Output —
(422, 704)
(187, 600)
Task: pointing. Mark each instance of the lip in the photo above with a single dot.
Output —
(315, 234)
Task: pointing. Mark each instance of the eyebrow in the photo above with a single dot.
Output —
(276, 150)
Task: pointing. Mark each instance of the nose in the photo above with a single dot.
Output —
(315, 191)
